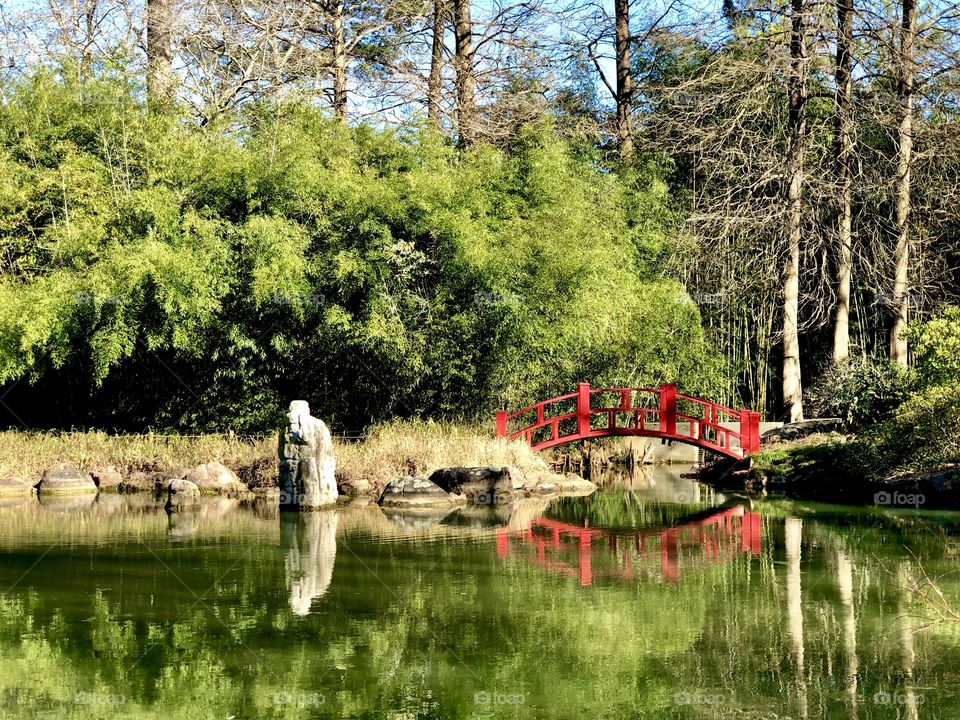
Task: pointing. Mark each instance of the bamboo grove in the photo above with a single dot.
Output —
(791, 168)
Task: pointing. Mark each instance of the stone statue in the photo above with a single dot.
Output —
(307, 465)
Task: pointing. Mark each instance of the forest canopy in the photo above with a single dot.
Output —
(161, 273)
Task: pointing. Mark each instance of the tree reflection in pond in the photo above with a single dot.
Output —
(109, 613)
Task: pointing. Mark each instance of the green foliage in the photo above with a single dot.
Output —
(860, 391)
(157, 273)
(936, 347)
(922, 435)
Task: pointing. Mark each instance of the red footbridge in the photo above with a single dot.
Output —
(660, 412)
(653, 554)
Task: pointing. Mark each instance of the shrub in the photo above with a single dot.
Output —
(860, 391)
(923, 434)
(936, 347)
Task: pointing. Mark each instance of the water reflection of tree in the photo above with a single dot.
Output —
(423, 626)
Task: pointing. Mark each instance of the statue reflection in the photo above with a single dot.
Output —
(309, 544)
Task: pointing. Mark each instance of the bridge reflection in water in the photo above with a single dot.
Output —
(658, 553)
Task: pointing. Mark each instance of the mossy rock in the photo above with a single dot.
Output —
(67, 481)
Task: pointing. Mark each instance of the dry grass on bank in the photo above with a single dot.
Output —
(391, 449)
(419, 448)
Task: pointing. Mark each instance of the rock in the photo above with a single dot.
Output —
(417, 492)
(142, 482)
(553, 484)
(14, 487)
(356, 488)
(214, 477)
(480, 485)
(107, 478)
(359, 502)
(801, 429)
(67, 481)
(307, 465)
(182, 494)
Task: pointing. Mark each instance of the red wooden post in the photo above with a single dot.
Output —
(749, 431)
(668, 409)
(501, 423)
(583, 410)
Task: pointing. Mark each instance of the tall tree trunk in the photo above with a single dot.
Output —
(844, 155)
(339, 46)
(624, 78)
(901, 288)
(797, 129)
(89, 39)
(435, 80)
(466, 83)
(159, 52)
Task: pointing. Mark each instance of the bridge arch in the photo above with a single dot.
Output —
(640, 412)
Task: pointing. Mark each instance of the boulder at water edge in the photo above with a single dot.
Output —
(107, 478)
(142, 482)
(182, 494)
(552, 484)
(418, 492)
(479, 485)
(14, 487)
(214, 477)
(67, 481)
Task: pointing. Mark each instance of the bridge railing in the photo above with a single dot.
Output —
(654, 412)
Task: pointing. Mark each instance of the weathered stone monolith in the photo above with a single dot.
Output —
(307, 464)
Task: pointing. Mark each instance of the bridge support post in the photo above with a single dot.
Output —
(501, 423)
(668, 409)
(583, 410)
(749, 431)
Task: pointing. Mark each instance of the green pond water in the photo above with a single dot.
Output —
(651, 598)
